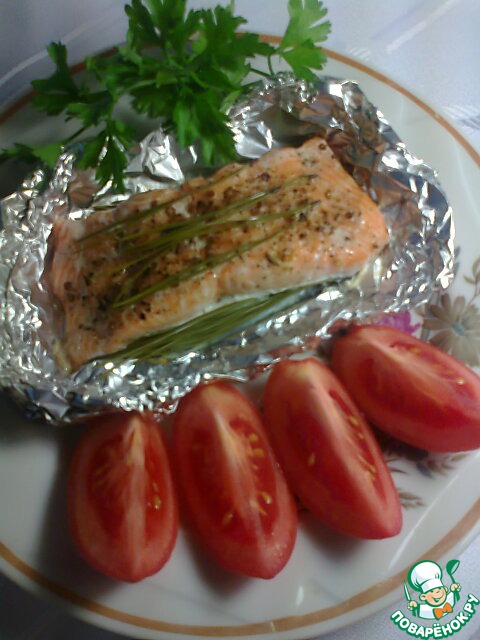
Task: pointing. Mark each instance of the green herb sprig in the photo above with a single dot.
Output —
(192, 271)
(184, 68)
(125, 298)
(204, 330)
(171, 233)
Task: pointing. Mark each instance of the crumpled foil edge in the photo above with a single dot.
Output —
(283, 111)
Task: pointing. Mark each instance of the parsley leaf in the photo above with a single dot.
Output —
(304, 24)
(303, 58)
(47, 153)
(107, 152)
(55, 93)
(305, 30)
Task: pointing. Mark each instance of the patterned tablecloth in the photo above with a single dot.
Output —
(430, 47)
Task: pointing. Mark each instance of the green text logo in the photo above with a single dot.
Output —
(431, 597)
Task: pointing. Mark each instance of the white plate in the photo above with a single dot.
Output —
(330, 580)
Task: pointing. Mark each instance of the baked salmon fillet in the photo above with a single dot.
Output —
(293, 217)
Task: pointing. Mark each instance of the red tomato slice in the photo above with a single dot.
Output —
(410, 389)
(123, 512)
(328, 452)
(235, 495)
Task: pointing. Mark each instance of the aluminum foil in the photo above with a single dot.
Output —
(418, 261)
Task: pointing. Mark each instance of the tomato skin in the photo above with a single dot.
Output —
(122, 508)
(409, 388)
(328, 452)
(235, 496)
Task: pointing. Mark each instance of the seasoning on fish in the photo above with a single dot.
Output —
(293, 217)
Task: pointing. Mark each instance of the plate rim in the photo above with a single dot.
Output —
(457, 538)
(384, 591)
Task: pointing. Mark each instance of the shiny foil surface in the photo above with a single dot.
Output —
(418, 261)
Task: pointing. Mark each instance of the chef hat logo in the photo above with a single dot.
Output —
(425, 576)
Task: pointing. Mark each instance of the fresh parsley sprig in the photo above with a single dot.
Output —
(305, 30)
(182, 67)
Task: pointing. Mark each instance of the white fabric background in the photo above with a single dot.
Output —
(430, 47)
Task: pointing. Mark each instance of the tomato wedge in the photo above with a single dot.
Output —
(235, 496)
(122, 507)
(410, 388)
(328, 452)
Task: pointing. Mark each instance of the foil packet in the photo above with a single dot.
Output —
(418, 261)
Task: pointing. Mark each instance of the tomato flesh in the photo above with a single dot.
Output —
(235, 496)
(409, 388)
(328, 452)
(122, 507)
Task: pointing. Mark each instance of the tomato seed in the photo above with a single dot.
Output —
(267, 497)
(227, 518)
(254, 504)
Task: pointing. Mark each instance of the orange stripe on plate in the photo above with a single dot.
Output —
(453, 537)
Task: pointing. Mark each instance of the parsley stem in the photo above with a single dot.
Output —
(270, 65)
(260, 72)
(75, 135)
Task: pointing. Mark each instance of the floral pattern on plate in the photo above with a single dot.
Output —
(450, 321)
(455, 321)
